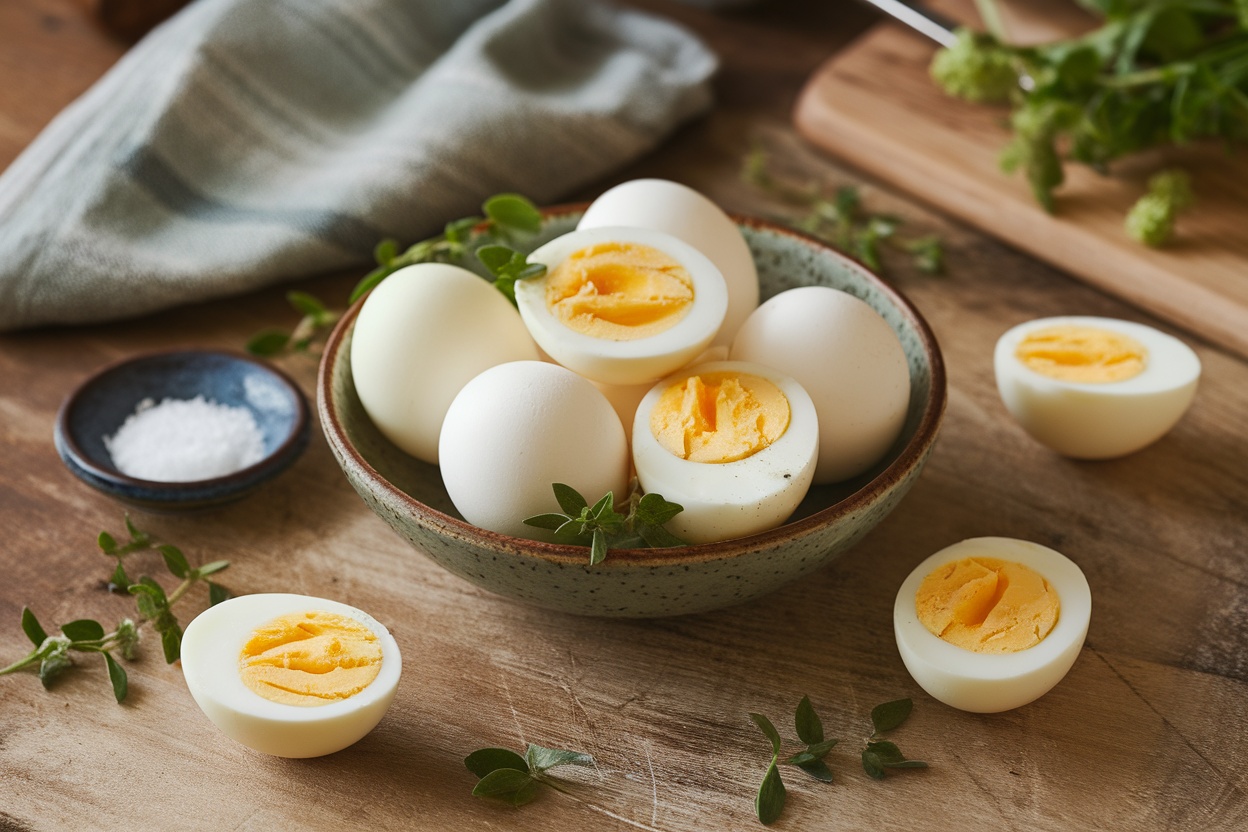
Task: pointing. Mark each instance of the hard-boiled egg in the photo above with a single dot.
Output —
(991, 623)
(290, 675)
(1094, 388)
(732, 442)
(516, 430)
(847, 358)
(421, 335)
(684, 213)
(622, 305)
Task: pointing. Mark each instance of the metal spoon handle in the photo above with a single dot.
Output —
(932, 24)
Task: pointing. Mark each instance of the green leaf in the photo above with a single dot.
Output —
(541, 759)
(31, 627)
(570, 500)
(871, 764)
(107, 543)
(820, 749)
(171, 641)
(817, 769)
(84, 629)
(889, 715)
(148, 586)
(598, 548)
(217, 594)
(119, 581)
(513, 213)
(653, 510)
(769, 802)
(515, 787)
(385, 251)
(175, 560)
(546, 521)
(369, 281)
(604, 507)
(457, 231)
(767, 728)
(267, 343)
(211, 568)
(485, 760)
(807, 722)
(657, 537)
(116, 675)
(495, 257)
(306, 304)
(885, 754)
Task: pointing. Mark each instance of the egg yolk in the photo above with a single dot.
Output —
(987, 605)
(619, 291)
(719, 417)
(310, 658)
(1082, 354)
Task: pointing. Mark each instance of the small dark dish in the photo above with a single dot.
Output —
(99, 406)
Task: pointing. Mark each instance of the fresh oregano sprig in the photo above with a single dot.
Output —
(877, 755)
(51, 654)
(317, 318)
(601, 527)
(508, 777)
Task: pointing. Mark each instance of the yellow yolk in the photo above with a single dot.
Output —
(619, 291)
(1082, 354)
(987, 605)
(719, 417)
(310, 658)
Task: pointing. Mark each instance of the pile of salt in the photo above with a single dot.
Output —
(185, 440)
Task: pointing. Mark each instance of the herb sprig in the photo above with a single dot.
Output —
(508, 777)
(877, 754)
(489, 239)
(1152, 74)
(51, 654)
(601, 527)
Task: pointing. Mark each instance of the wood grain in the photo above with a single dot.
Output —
(874, 105)
(1144, 734)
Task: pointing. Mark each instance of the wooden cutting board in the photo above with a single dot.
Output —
(874, 105)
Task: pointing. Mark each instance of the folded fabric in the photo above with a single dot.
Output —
(246, 142)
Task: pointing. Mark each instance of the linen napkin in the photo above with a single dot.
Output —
(246, 142)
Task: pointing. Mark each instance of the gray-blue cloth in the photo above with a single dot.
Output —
(246, 142)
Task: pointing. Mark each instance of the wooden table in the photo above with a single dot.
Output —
(1147, 732)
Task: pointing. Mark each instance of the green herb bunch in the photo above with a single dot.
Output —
(1155, 72)
(486, 240)
(841, 220)
(508, 777)
(51, 657)
(878, 754)
(601, 527)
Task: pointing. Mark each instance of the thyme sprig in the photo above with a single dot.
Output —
(508, 777)
(601, 527)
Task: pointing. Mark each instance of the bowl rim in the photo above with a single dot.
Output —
(568, 555)
(289, 447)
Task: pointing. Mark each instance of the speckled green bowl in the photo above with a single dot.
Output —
(641, 583)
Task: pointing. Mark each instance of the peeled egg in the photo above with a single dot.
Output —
(1094, 388)
(847, 358)
(290, 675)
(684, 213)
(519, 428)
(967, 593)
(622, 306)
(737, 454)
(421, 335)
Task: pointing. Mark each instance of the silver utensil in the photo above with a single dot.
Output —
(925, 21)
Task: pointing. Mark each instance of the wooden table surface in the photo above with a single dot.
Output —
(1147, 731)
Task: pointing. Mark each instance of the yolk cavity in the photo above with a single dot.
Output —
(310, 658)
(1082, 354)
(719, 417)
(987, 605)
(619, 291)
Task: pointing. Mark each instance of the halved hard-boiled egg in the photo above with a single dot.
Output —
(991, 623)
(290, 675)
(732, 442)
(1094, 388)
(621, 305)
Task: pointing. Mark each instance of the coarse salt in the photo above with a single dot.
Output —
(184, 440)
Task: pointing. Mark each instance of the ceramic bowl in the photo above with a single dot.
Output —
(409, 496)
(99, 406)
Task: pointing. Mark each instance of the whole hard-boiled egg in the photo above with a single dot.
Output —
(290, 675)
(684, 213)
(733, 443)
(421, 335)
(847, 358)
(519, 428)
(622, 306)
(991, 623)
(1094, 388)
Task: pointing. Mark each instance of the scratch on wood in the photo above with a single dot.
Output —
(514, 715)
(654, 789)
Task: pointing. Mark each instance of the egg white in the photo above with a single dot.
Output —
(638, 361)
(730, 499)
(1098, 420)
(211, 646)
(993, 682)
